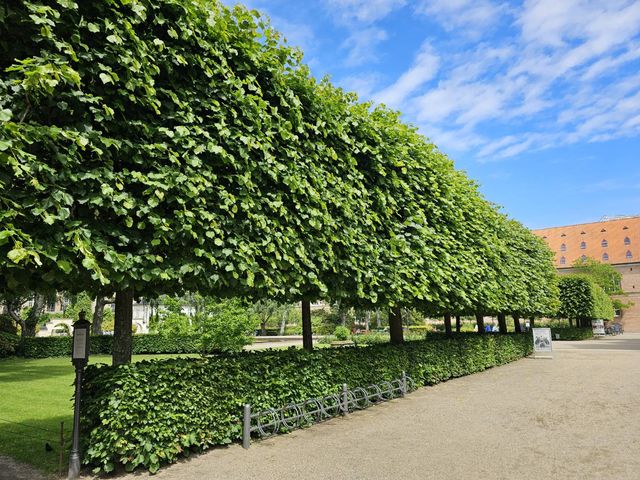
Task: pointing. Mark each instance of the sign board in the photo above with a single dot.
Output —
(598, 327)
(541, 340)
(80, 343)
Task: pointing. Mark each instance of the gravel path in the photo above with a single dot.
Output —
(574, 417)
(12, 470)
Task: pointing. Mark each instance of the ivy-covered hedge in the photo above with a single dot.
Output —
(150, 413)
(43, 347)
(8, 344)
(572, 333)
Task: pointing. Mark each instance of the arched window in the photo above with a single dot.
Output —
(627, 241)
(605, 257)
(563, 260)
(629, 255)
(604, 243)
(583, 258)
(563, 247)
(583, 245)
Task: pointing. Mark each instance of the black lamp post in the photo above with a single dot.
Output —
(79, 358)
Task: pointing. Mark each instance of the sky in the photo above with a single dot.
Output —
(538, 101)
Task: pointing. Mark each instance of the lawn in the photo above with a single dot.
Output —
(35, 396)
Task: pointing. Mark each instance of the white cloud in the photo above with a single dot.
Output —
(424, 68)
(362, 44)
(472, 16)
(363, 11)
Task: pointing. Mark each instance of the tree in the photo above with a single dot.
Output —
(605, 275)
(582, 300)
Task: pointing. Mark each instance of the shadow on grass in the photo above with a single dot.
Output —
(32, 373)
(37, 442)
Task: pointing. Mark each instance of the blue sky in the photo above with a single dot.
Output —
(539, 101)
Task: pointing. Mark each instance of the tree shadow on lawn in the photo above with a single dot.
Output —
(36, 442)
(21, 370)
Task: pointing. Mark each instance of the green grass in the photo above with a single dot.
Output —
(35, 396)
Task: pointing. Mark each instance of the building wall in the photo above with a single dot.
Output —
(616, 242)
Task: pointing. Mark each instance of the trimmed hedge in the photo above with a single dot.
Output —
(44, 347)
(150, 413)
(8, 344)
(572, 333)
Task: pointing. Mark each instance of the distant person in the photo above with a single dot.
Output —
(487, 328)
(495, 328)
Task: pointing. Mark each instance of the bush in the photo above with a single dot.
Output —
(153, 412)
(8, 344)
(571, 333)
(7, 325)
(44, 347)
(341, 333)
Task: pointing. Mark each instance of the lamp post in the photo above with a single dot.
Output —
(79, 358)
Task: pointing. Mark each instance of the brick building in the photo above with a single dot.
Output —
(616, 242)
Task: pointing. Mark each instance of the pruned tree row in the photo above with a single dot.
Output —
(151, 148)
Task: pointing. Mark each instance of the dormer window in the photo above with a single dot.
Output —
(603, 230)
(604, 243)
(583, 232)
(625, 228)
(563, 235)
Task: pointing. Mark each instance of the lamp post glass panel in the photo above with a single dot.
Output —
(79, 358)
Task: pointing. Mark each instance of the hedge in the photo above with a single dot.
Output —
(150, 413)
(8, 344)
(571, 333)
(44, 347)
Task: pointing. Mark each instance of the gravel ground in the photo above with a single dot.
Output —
(576, 416)
(12, 470)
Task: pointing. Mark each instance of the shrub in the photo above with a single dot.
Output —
(569, 333)
(7, 325)
(153, 412)
(8, 344)
(341, 333)
(43, 347)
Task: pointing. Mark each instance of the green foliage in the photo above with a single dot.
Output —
(81, 302)
(7, 325)
(182, 146)
(151, 413)
(602, 274)
(583, 299)
(227, 326)
(571, 333)
(44, 347)
(341, 333)
(8, 344)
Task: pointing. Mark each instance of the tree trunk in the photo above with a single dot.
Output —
(31, 322)
(13, 307)
(283, 320)
(307, 339)
(458, 323)
(516, 323)
(98, 314)
(122, 330)
(480, 322)
(571, 322)
(447, 323)
(378, 323)
(532, 322)
(263, 328)
(395, 326)
(367, 320)
(502, 323)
